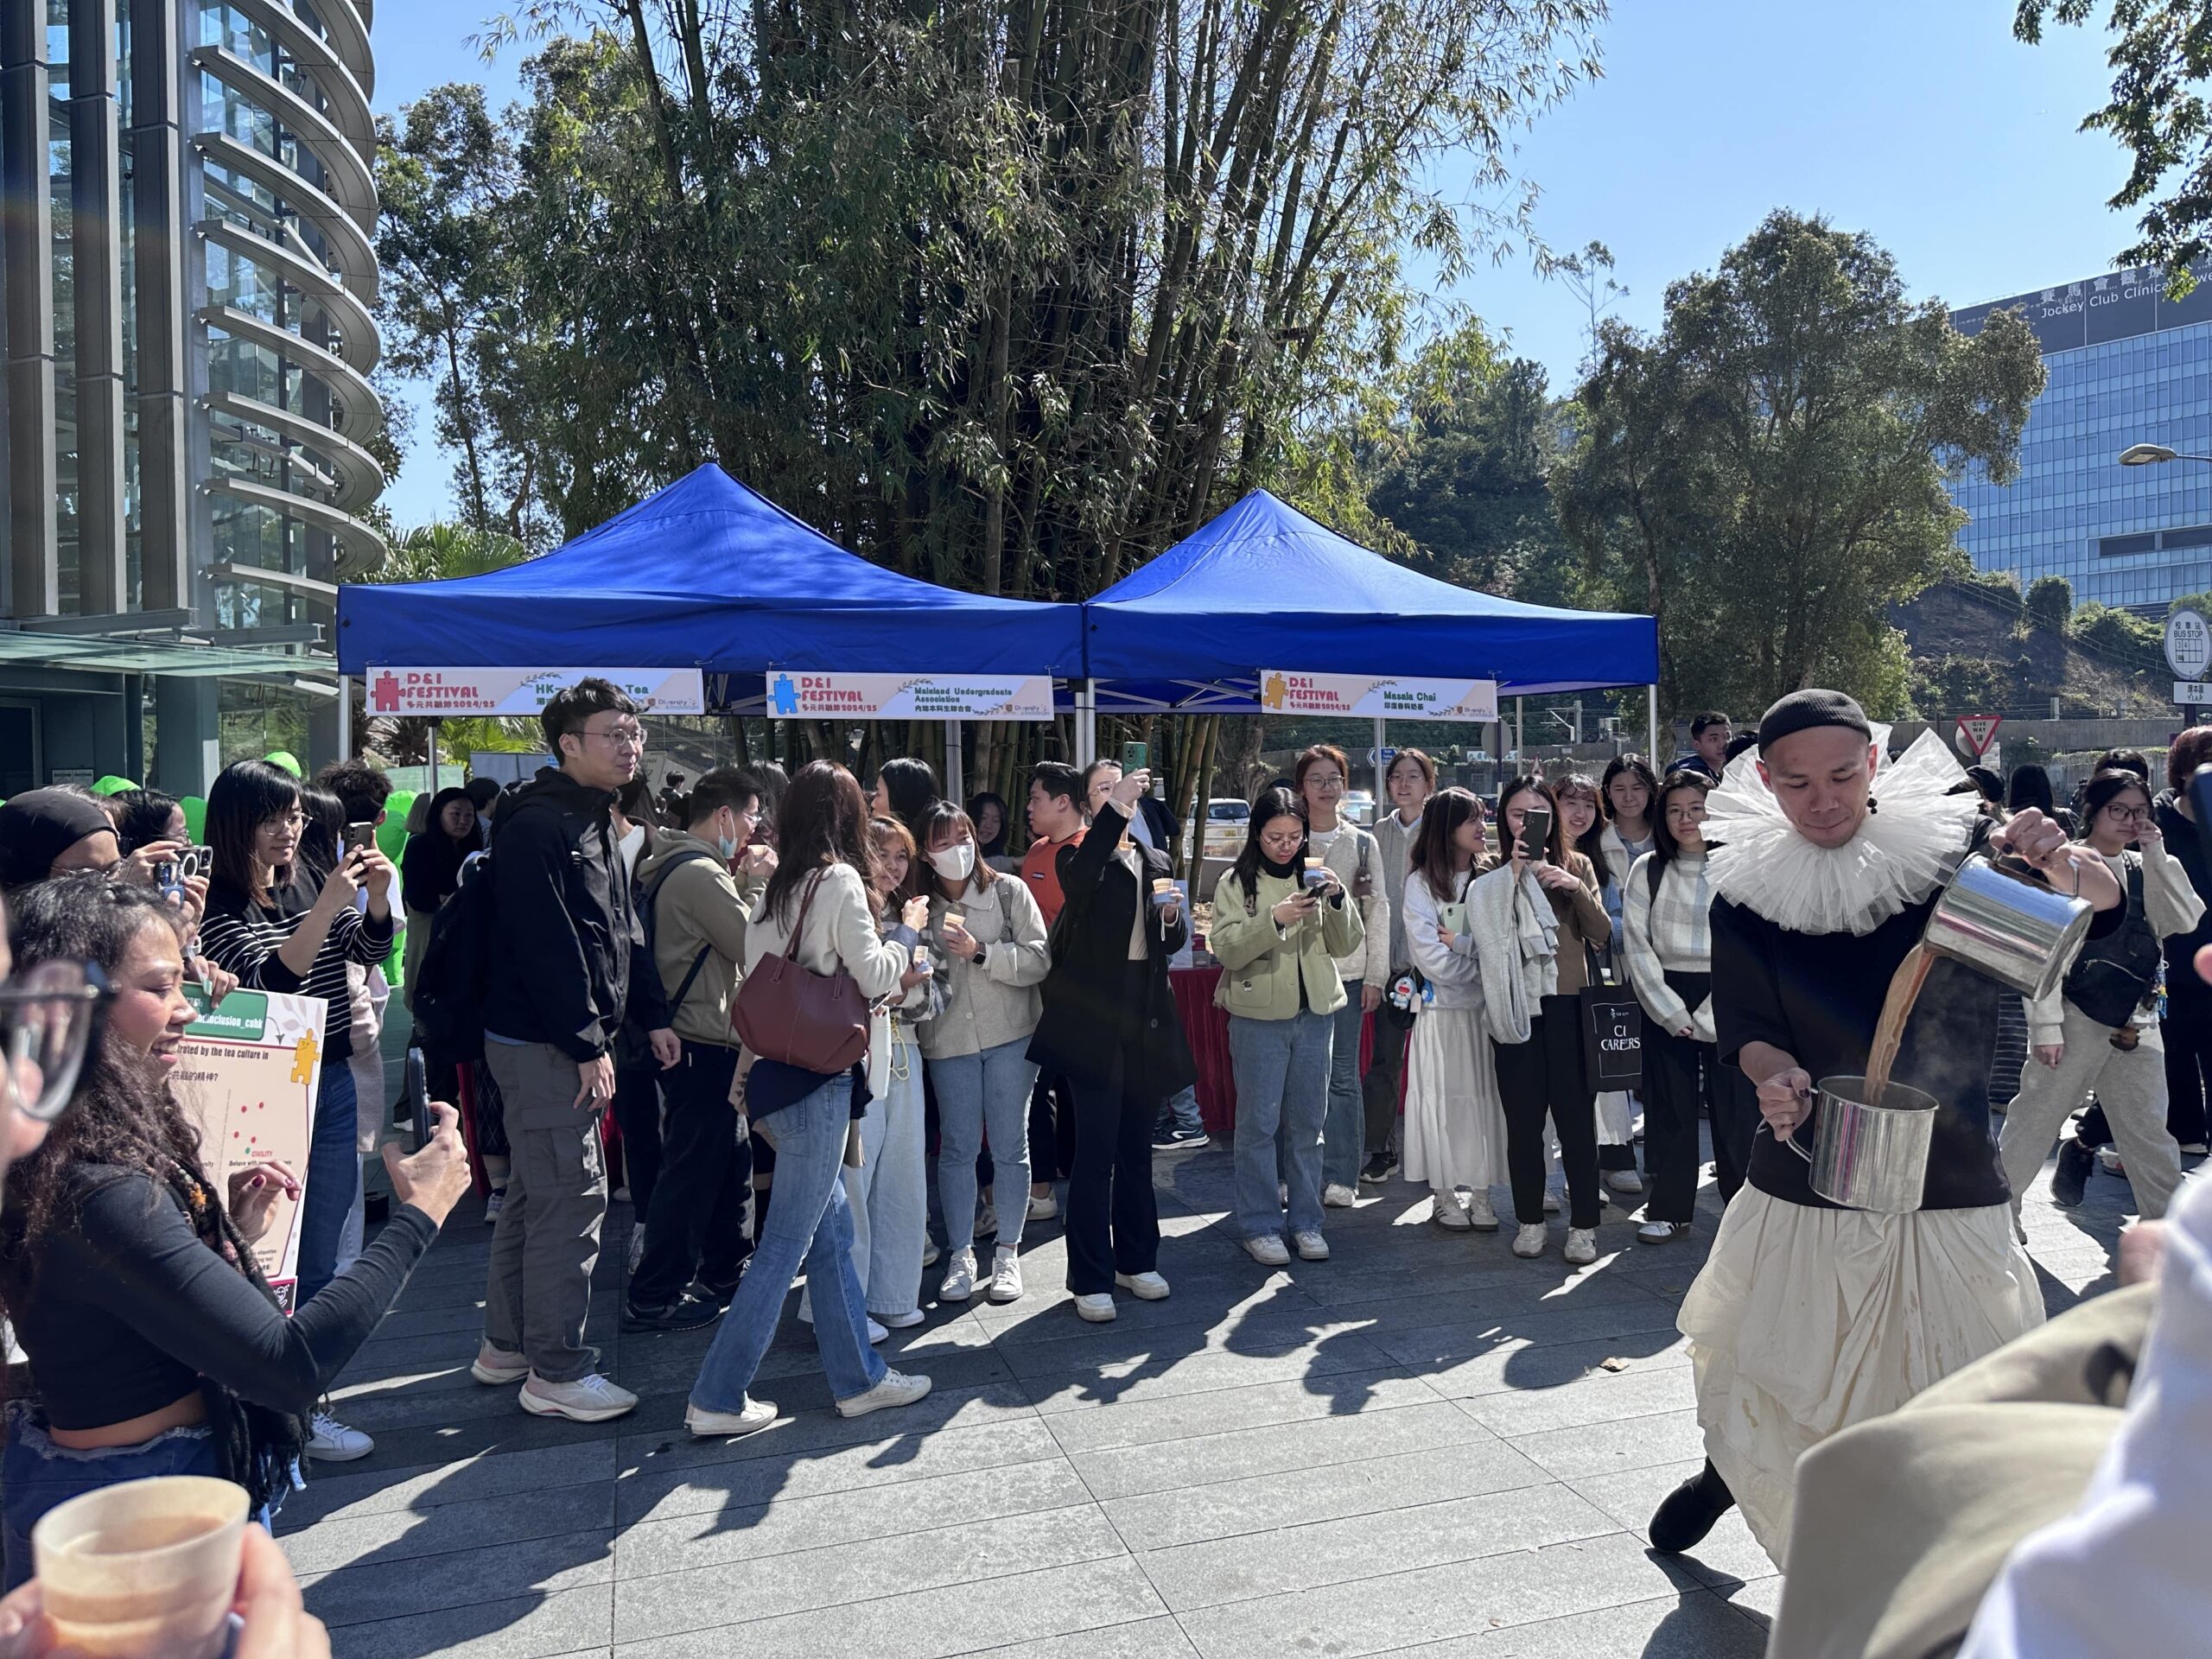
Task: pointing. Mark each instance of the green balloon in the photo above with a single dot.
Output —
(112, 785)
(391, 834)
(283, 757)
(196, 818)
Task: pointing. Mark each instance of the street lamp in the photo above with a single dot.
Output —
(2151, 455)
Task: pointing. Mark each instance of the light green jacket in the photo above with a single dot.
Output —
(1261, 962)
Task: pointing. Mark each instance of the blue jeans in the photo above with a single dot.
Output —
(1182, 1112)
(809, 1222)
(330, 1214)
(975, 1094)
(37, 1475)
(1282, 1089)
(891, 1226)
(1344, 1129)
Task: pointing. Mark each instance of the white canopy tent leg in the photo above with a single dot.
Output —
(1381, 772)
(1086, 722)
(435, 726)
(344, 718)
(956, 767)
(1651, 723)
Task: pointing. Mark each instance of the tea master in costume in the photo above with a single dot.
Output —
(1808, 1317)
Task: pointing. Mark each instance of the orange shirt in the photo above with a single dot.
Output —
(1041, 870)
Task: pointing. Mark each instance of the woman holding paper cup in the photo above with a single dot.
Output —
(1281, 917)
(155, 1345)
(989, 935)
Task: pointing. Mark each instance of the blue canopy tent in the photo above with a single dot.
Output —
(704, 574)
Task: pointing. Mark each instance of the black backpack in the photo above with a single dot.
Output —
(2114, 976)
(453, 978)
(652, 909)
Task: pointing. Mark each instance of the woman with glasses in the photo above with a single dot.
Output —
(155, 1346)
(279, 926)
(2099, 1030)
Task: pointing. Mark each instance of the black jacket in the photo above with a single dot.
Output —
(2183, 843)
(566, 929)
(1089, 1009)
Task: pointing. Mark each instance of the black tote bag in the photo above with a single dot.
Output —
(1612, 1035)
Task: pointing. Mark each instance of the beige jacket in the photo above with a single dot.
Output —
(999, 1002)
(1261, 962)
(840, 932)
(697, 905)
(1352, 852)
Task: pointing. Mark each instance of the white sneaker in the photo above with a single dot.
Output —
(588, 1399)
(1311, 1247)
(495, 1203)
(906, 1321)
(1447, 1210)
(1006, 1277)
(959, 1278)
(1097, 1307)
(1624, 1180)
(494, 1368)
(637, 1249)
(896, 1388)
(1480, 1216)
(1145, 1287)
(987, 1218)
(1581, 1246)
(723, 1425)
(1551, 1205)
(1661, 1232)
(1267, 1250)
(1044, 1208)
(930, 1251)
(1529, 1240)
(876, 1332)
(332, 1442)
(1335, 1197)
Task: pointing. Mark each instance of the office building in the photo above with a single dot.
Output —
(188, 210)
(2126, 365)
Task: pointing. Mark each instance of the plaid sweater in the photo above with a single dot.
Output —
(1672, 931)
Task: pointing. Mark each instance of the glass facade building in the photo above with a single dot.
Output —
(187, 210)
(2126, 365)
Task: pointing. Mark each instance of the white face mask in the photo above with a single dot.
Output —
(956, 862)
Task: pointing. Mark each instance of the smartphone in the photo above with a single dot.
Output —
(359, 837)
(418, 1098)
(1535, 833)
(168, 879)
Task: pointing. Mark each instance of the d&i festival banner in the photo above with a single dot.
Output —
(462, 691)
(1377, 696)
(247, 1073)
(909, 696)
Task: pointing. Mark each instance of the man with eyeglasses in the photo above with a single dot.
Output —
(565, 935)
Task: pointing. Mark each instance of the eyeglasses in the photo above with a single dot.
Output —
(621, 737)
(1326, 779)
(2129, 814)
(48, 1015)
(284, 821)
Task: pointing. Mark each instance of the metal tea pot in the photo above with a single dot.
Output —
(1999, 919)
(1865, 1156)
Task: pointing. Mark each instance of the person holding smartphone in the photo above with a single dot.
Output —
(278, 925)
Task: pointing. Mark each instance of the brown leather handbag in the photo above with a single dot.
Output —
(785, 1011)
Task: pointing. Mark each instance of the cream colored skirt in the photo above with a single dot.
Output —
(1454, 1130)
(1616, 1118)
(1805, 1321)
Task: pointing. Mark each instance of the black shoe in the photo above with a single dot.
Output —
(2072, 1176)
(1380, 1168)
(1174, 1140)
(1686, 1514)
(686, 1312)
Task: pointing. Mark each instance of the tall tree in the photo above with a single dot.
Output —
(1765, 476)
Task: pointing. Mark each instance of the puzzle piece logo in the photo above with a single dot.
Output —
(304, 1058)
(786, 694)
(1271, 697)
(384, 697)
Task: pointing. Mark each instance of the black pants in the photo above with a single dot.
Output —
(1733, 1104)
(1675, 1070)
(1545, 1077)
(2187, 1034)
(636, 1113)
(1386, 1072)
(697, 1224)
(1052, 1131)
(1113, 1218)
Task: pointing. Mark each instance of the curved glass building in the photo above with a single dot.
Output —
(187, 252)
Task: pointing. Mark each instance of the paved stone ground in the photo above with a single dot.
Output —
(1416, 1447)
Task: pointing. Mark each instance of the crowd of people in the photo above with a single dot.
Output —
(796, 1000)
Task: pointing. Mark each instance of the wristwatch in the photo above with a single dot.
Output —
(982, 950)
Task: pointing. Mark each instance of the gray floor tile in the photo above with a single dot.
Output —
(385, 1491)
(1200, 1374)
(1727, 1555)
(1697, 1625)
(1603, 1397)
(450, 1528)
(521, 1627)
(1126, 1471)
(379, 1590)
(1184, 1417)
(1605, 1448)
(1144, 1639)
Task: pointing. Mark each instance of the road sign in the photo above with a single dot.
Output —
(2189, 645)
(1977, 732)
(1381, 757)
(2192, 693)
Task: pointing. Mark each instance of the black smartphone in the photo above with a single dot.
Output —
(168, 879)
(418, 1098)
(360, 836)
(1535, 833)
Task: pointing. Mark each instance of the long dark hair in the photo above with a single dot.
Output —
(1273, 802)
(943, 819)
(996, 847)
(823, 820)
(1642, 768)
(244, 795)
(433, 858)
(1529, 784)
(1664, 847)
(881, 830)
(2102, 790)
(911, 787)
(2030, 786)
(322, 838)
(1591, 844)
(1432, 860)
(142, 816)
(125, 1114)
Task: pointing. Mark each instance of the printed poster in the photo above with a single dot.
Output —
(459, 691)
(247, 1073)
(909, 696)
(1371, 697)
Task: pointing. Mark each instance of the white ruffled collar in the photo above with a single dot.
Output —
(1905, 849)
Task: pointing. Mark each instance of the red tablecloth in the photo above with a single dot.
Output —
(1207, 1029)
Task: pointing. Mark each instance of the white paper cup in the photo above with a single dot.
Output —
(146, 1569)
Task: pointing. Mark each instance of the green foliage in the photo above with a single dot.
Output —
(2051, 600)
(2160, 57)
(2130, 641)
(1765, 476)
(2201, 603)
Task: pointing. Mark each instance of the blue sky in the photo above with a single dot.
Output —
(1923, 123)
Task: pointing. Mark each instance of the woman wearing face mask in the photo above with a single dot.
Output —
(1454, 1124)
(989, 936)
(133, 1286)
(2099, 1030)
